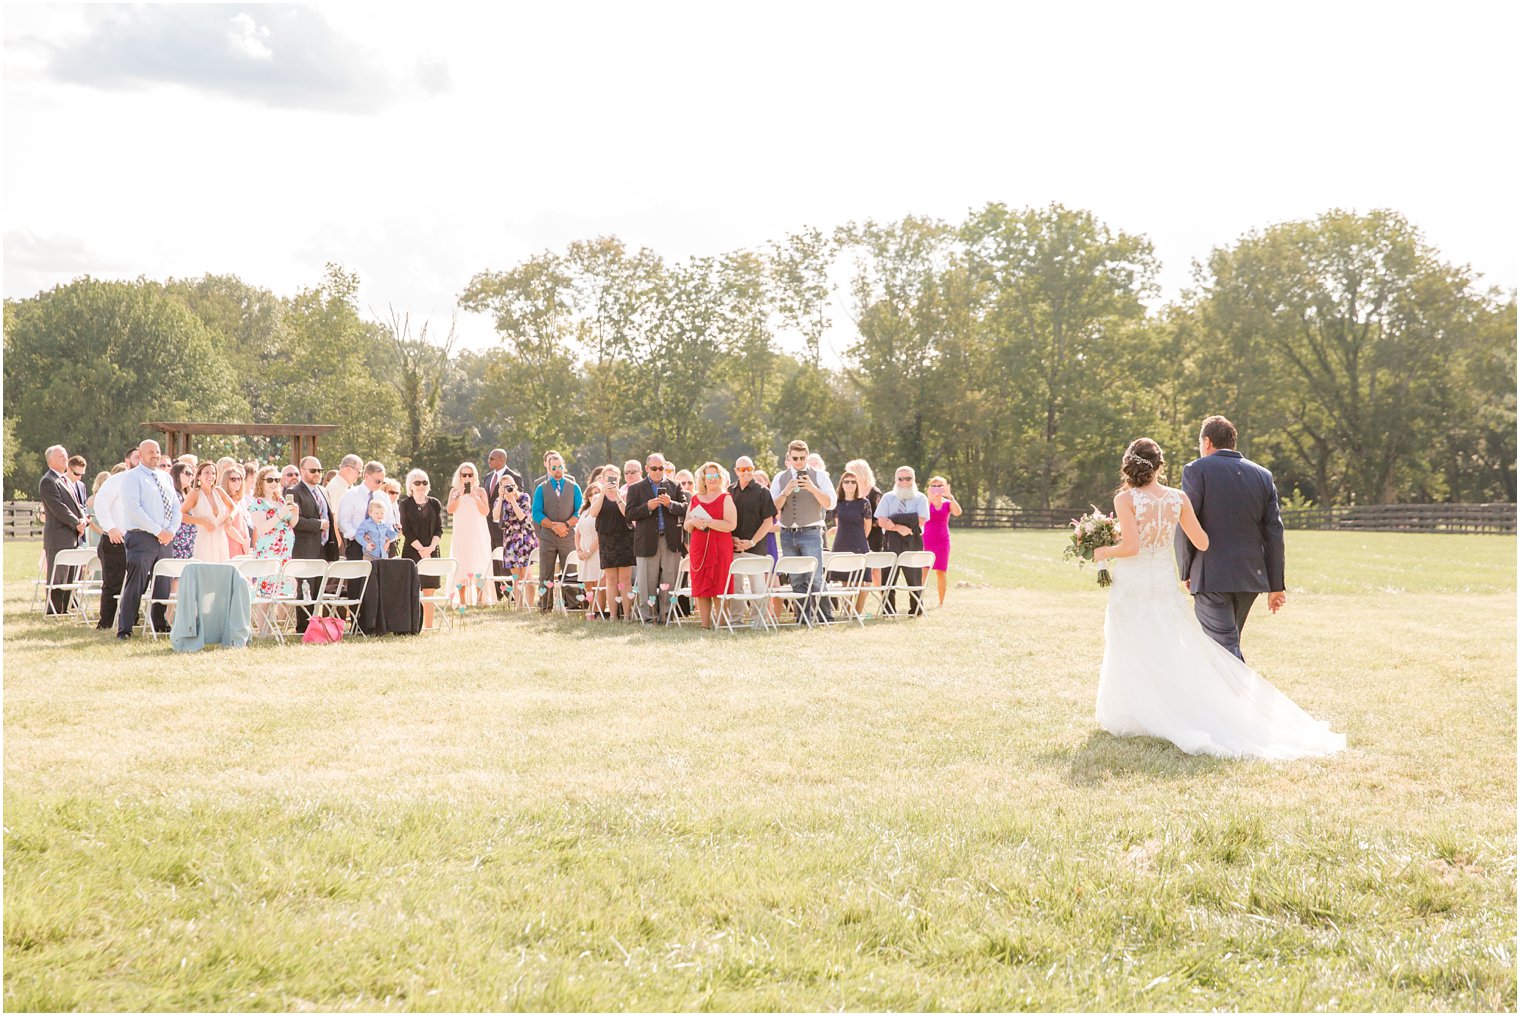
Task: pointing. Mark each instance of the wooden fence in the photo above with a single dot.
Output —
(1382, 518)
(21, 520)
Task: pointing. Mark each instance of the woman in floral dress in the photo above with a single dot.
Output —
(273, 524)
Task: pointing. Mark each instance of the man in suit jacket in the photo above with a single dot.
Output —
(657, 509)
(65, 520)
(1237, 506)
(314, 529)
(499, 470)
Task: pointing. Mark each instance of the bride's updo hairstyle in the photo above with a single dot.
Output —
(1142, 461)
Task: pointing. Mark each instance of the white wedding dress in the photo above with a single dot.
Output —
(1163, 676)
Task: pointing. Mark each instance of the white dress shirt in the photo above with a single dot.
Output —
(354, 509)
(108, 513)
(148, 501)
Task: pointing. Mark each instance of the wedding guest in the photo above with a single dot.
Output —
(150, 511)
(513, 511)
(755, 511)
(315, 536)
(181, 475)
(207, 505)
(77, 467)
(250, 471)
(657, 506)
(614, 536)
(556, 510)
(588, 556)
(327, 478)
(274, 535)
(112, 550)
(471, 546)
(852, 514)
(354, 508)
(188, 460)
(289, 477)
(421, 530)
(92, 530)
(872, 493)
(802, 496)
(632, 473)
(239, 542)
(902, 513)
(496, 462)
(942, 506)
(349, 471)
(375, 535)
(65, 522)
(712, 541)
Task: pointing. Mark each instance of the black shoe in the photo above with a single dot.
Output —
(123, 635)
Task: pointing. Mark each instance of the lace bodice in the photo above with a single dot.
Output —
(1156, 518)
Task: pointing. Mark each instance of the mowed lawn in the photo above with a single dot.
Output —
(533, 813)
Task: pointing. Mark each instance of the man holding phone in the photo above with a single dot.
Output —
(802, 496)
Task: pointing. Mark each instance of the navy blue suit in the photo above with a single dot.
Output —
(1236, 502)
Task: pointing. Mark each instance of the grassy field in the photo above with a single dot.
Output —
(553, 814)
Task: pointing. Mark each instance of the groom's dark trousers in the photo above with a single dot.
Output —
(1237, 506)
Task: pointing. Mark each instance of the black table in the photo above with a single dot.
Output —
(393, 599)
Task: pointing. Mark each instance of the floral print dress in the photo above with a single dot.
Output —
(277, 543)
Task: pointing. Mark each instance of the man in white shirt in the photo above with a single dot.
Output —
(354, 508)
(348, 475)
(112, 549)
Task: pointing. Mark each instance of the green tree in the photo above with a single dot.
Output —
(89, 362)
(418, 372)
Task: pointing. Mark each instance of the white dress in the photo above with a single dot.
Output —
(210, 544)
(471, 547)
(591, 568)
(1163, 676)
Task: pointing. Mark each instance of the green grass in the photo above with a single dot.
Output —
(550, 814)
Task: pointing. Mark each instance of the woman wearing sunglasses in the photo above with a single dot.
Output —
(712, 539)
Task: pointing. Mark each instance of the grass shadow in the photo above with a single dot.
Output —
(1103, 756)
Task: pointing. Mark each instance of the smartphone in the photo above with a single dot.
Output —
(290, 499)
(467, 485)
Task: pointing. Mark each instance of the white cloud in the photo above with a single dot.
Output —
(247, 38)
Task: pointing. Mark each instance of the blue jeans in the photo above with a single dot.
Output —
(808, 543)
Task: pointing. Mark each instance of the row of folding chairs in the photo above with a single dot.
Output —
(328, 589)
(848, 585)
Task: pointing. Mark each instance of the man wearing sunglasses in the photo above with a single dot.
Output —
(556, 509)
(802, 497)
(657, 509)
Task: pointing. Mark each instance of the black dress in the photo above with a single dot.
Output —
(614, 536)
(421, 522)
(850, 537)
(873, 539)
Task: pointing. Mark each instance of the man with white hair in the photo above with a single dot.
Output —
(65, 520)
(354, 508)
(348, 475)
(901, 513)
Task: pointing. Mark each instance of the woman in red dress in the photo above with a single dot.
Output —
(712, 540)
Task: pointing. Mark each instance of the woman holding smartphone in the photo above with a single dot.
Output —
(942, 505)
(514, 510)
(615, 542)
(472, 540)
(588, 553)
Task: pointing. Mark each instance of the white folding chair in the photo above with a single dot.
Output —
(886, 562)
(167, 568)
(302, 582)
(681, 587)
(257, 571)
(346, 573)
(731, 603)
(846, 589)
(786, 567)
(921, 559)
(441, 568)
(39, 583)
(71, 575)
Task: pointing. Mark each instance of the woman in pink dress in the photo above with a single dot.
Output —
(942, 505)
(239, 542)
(712, 539)
(471, 547)
(210, 509)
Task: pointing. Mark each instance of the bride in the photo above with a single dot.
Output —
(1162, 675)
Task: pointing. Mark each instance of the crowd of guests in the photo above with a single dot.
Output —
(627, 530)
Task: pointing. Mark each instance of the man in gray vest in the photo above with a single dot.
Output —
(802, 497)
(556, 510)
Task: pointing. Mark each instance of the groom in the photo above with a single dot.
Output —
(1236, 502)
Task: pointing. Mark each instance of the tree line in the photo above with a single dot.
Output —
(1016, 352)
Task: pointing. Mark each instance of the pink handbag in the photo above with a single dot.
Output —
(322, 630)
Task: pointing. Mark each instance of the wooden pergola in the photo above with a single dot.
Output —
(303, 436)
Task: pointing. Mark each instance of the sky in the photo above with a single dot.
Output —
(420, 144)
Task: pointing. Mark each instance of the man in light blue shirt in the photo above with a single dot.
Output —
(556, 510)
(149, 510)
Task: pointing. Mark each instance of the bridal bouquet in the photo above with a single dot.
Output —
(1090, 532)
